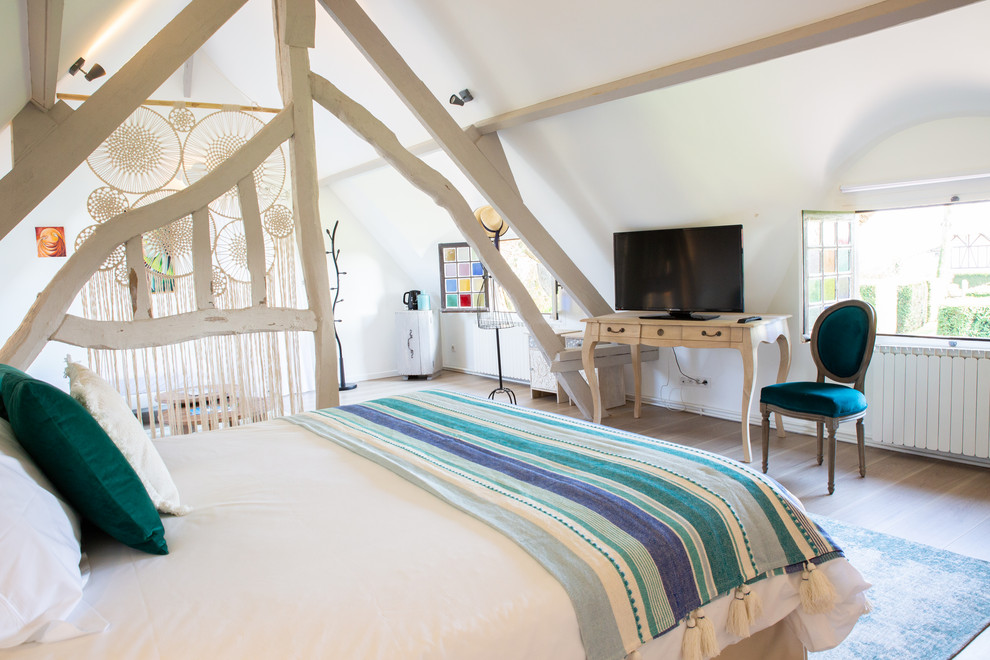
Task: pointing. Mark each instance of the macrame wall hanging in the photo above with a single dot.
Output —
(214, 381)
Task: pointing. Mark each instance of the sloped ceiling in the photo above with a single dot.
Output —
(511, 53)
(722, 148)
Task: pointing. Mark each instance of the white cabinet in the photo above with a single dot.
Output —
(418, 342)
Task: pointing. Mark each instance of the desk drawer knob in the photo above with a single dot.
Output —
(704, 333)
(659, 332)
(619, 331)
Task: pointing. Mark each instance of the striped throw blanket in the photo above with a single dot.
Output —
(639, 532)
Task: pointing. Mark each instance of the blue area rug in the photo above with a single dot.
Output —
(927, 603)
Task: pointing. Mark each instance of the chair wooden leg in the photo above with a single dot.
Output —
(766, 436)
(861, 441)
(831, 457)
(818, 427)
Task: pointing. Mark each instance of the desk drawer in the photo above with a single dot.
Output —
(708, 335)
(618, 331)
(660, 332)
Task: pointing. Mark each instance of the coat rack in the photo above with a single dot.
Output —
(335, 253)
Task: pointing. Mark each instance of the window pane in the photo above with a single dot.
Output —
(813, 233)
(845, 231)
(829, 258)
(844, 288)
(828, 233)
(845, 260)
(814, 262)
(828, 289)
(815, 291)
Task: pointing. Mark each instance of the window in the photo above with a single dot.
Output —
(463, 278)
(532, 273)
(925, 269)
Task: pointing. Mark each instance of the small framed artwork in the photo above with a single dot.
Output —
(463, 279)
(50, 241)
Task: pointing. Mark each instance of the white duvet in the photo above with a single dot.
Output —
(296, 548)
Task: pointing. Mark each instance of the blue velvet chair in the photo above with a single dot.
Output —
(841, 345)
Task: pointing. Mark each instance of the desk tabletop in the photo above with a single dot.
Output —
(724, 319)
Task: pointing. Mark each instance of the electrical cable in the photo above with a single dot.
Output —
(697, 381)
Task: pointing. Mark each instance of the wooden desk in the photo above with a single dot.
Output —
(723, 332)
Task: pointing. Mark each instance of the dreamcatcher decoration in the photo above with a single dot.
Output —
(168, 249)
(231, 252)
(142, 159)
(278, 221)
(182, 119)
(105, 203)
(212, 141)
(116, 256)
(141, 155)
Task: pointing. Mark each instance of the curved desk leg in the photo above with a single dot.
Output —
(588, 362)
(748, 350)
(637, 366)
(784, 344)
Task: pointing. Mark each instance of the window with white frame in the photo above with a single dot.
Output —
(926, 270)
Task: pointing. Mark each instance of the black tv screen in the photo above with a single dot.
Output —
(679, 271)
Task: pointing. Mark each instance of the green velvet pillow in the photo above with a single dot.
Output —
(81, 460)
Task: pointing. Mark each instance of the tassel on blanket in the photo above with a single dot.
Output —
(754, 604)
(699, 641)
(817, 593)
(867, 606)
(738, 623)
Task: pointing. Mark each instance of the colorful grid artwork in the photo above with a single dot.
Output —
(462, 279)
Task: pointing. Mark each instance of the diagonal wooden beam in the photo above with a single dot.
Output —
(446, 196)
(828, 31)
(44, 18)
(49, 161)
(463, 151)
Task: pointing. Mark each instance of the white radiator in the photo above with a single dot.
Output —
(932, 399)
(515, 353)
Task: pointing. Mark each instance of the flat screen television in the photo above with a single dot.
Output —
(680, 272)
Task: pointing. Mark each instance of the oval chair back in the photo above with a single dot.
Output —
(842, 342)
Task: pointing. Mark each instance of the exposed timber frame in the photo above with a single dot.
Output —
(48, 313)
(45, 164)
(295, 33)
(44, 41)
(50, 145)
(871, 18)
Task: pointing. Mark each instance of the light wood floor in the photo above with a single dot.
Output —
(931, 501)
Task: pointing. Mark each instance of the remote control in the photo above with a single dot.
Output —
(747, 319)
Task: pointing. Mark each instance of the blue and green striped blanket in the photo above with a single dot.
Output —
(639, 532)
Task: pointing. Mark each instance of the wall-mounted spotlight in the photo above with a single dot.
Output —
(94, 72)
(460, 98)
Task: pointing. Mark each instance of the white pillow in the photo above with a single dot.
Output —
(112, 413)
(40, 580)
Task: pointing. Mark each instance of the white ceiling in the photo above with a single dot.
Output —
(510, 53)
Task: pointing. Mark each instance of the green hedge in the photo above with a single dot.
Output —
(912, 307)
(964, 321)
(868, 293)
(974, 279)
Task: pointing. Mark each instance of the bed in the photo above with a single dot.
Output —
(316, 536)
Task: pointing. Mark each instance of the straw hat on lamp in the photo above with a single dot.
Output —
(491, 220)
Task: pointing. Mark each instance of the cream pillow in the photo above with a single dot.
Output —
(112, 413)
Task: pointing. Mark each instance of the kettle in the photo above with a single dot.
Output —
(411, 299)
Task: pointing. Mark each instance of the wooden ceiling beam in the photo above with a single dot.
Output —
(464, 152)
(49, 161)
(44, 18)
(856, 23)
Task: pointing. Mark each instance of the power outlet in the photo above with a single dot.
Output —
(690, 382)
